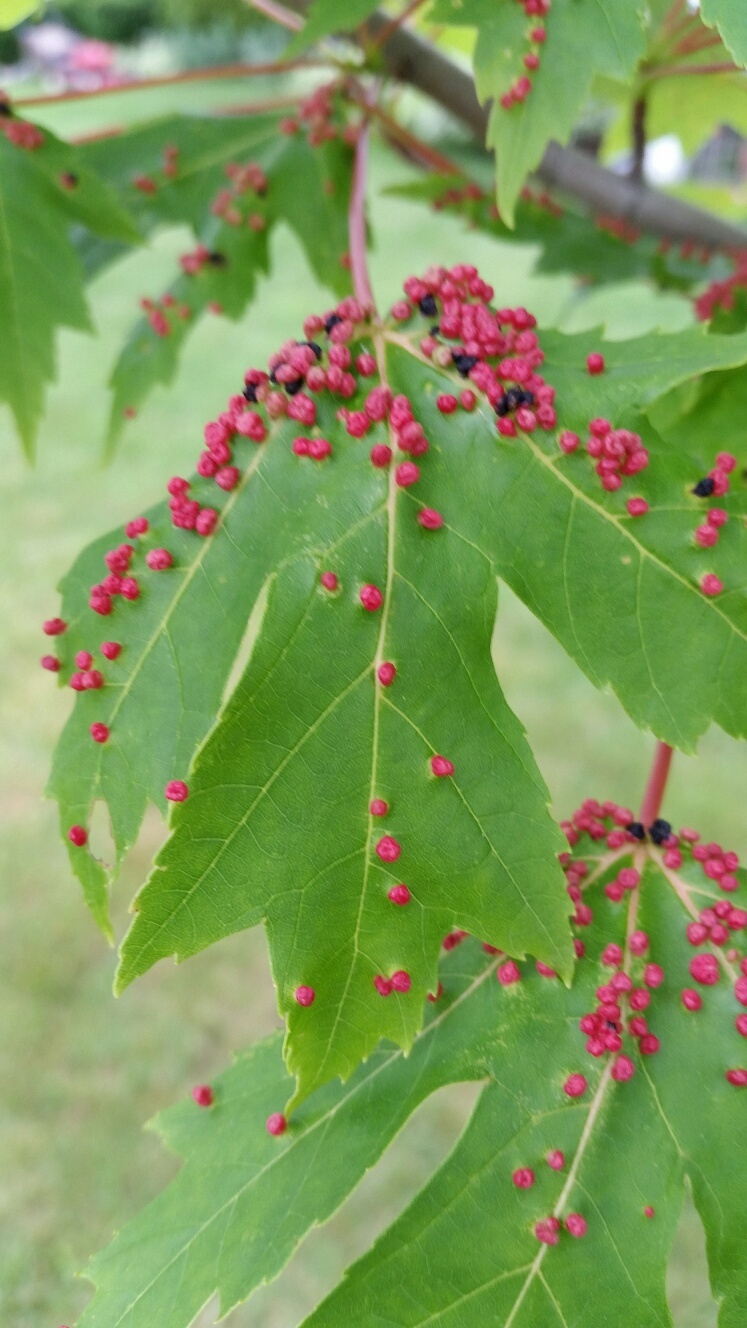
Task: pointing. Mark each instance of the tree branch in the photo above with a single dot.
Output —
(411, 60)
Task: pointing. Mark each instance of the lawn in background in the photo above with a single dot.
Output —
(81, 1072)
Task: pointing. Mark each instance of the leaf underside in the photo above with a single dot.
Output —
(276, 827)
(465, 1252)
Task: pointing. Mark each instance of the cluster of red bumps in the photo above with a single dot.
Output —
(235, 205)
(522, 85)
(323, 117)
(715, 926)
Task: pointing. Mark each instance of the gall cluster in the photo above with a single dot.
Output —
(626, 1000)
(522, 84)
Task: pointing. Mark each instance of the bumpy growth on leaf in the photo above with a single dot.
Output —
(354, 507)
(560, 1201)
(232, 184)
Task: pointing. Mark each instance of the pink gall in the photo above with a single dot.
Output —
(388, 849)
(441, 765)
(176, 791)
(77, 835)
(54, 627)
(329, 580)
(203, 1095)
(276, 1124)
(399, 894)
(711, 584)
(407, 474)
(704, 969)
(523, 1178)
(595, 363)
(401, 981)
(386, 673)
(575, 1085)
(546, 1232)
(576, 1225)
(371, 598)
(446, 403)
(429, 519)
(381, 455)
(508, 973)
(50, 663)
(159, 560)
(304, 995)
(99, 733)
(378, 807)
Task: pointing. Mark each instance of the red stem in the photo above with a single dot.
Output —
(391, 27)
(246, 108)
(657, 782)
(187, 76)
(357, 223)
(278, 13)
(671, 71)
(697, 41)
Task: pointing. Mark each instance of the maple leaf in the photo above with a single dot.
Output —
(554, 90)
(44, 189)
(561, 1199)
(365, 787)
(731, 20)
(205, 172)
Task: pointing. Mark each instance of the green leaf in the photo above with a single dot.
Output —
(569, 241)
(150, 357)
(12, 11)
(276, 826)
(612, 43)
(326, 17)
(465, 1251)
(42, 190)
(308, 189)
(730, 17)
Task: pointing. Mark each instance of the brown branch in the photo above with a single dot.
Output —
(411, 60)
(166, 80)
(639, 140)
(413, 146)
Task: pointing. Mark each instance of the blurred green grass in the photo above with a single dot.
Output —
(81, 1072)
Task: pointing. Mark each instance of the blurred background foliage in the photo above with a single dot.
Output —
(80, 1072)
